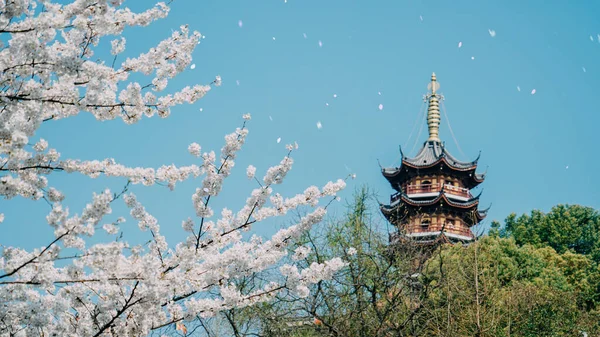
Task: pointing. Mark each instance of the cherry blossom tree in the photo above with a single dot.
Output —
(71, 287)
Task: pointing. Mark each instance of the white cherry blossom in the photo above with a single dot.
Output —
(80, 283)
(250, 171)
(194, 149)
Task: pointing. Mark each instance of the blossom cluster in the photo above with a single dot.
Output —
(77, 285)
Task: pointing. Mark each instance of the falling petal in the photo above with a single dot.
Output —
(240, 23)
(320, 43)
(583, 68)
(379, 93)
(273, 38)
(201, 109)
(421, 17)
(334, 95)
(182, 327)
(319, 125)
(591, 38)
(304, 34)
(271, 118)
(472, 57)
(237, 82)
(459, 44)
(326, 104)
(380, 106)
(492, 32)
(518, 88)
(567, 167)
(193, 66)
(278, 140)
(533, 92)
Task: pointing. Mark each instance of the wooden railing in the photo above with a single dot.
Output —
(461, 191)
(438, 228)
(429, 188)
(432, 188)
(413, 230)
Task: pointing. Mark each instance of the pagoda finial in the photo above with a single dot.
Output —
(433, 112)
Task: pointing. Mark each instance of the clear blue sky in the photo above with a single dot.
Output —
(391, 47)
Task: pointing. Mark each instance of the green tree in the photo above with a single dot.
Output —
(511, 283)
(495, 287)
(565, 227)
(376, 294)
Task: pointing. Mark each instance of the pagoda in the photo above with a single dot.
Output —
(433, 201)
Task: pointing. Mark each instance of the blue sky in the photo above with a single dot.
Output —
(540, 149)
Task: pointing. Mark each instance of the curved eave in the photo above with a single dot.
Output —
(486, 210)
(390, 172)
(388, 209)
(442, 196)
(431, 154)
(466, 167)
(404, 199)
(457, 163)
(479, 177)
(434, 152)
(481, 214)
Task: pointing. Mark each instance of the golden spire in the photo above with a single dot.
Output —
(433, 112)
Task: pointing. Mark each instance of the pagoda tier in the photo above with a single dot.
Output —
(433, 202)
(401, 205)
(433, 159)
(426, 220)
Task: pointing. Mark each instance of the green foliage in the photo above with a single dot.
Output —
(536, 275)
(369, 297)
(565, 228)
(496, 288)
(573, 231)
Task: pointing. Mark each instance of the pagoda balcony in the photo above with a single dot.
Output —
(433, 190)
(417, 233)
(414, 229)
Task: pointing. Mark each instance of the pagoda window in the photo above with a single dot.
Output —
(450, 223)
(426, 185)
(425, 222)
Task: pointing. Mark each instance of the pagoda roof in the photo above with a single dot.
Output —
(404, 200)
(441, 196)
(433, 152)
